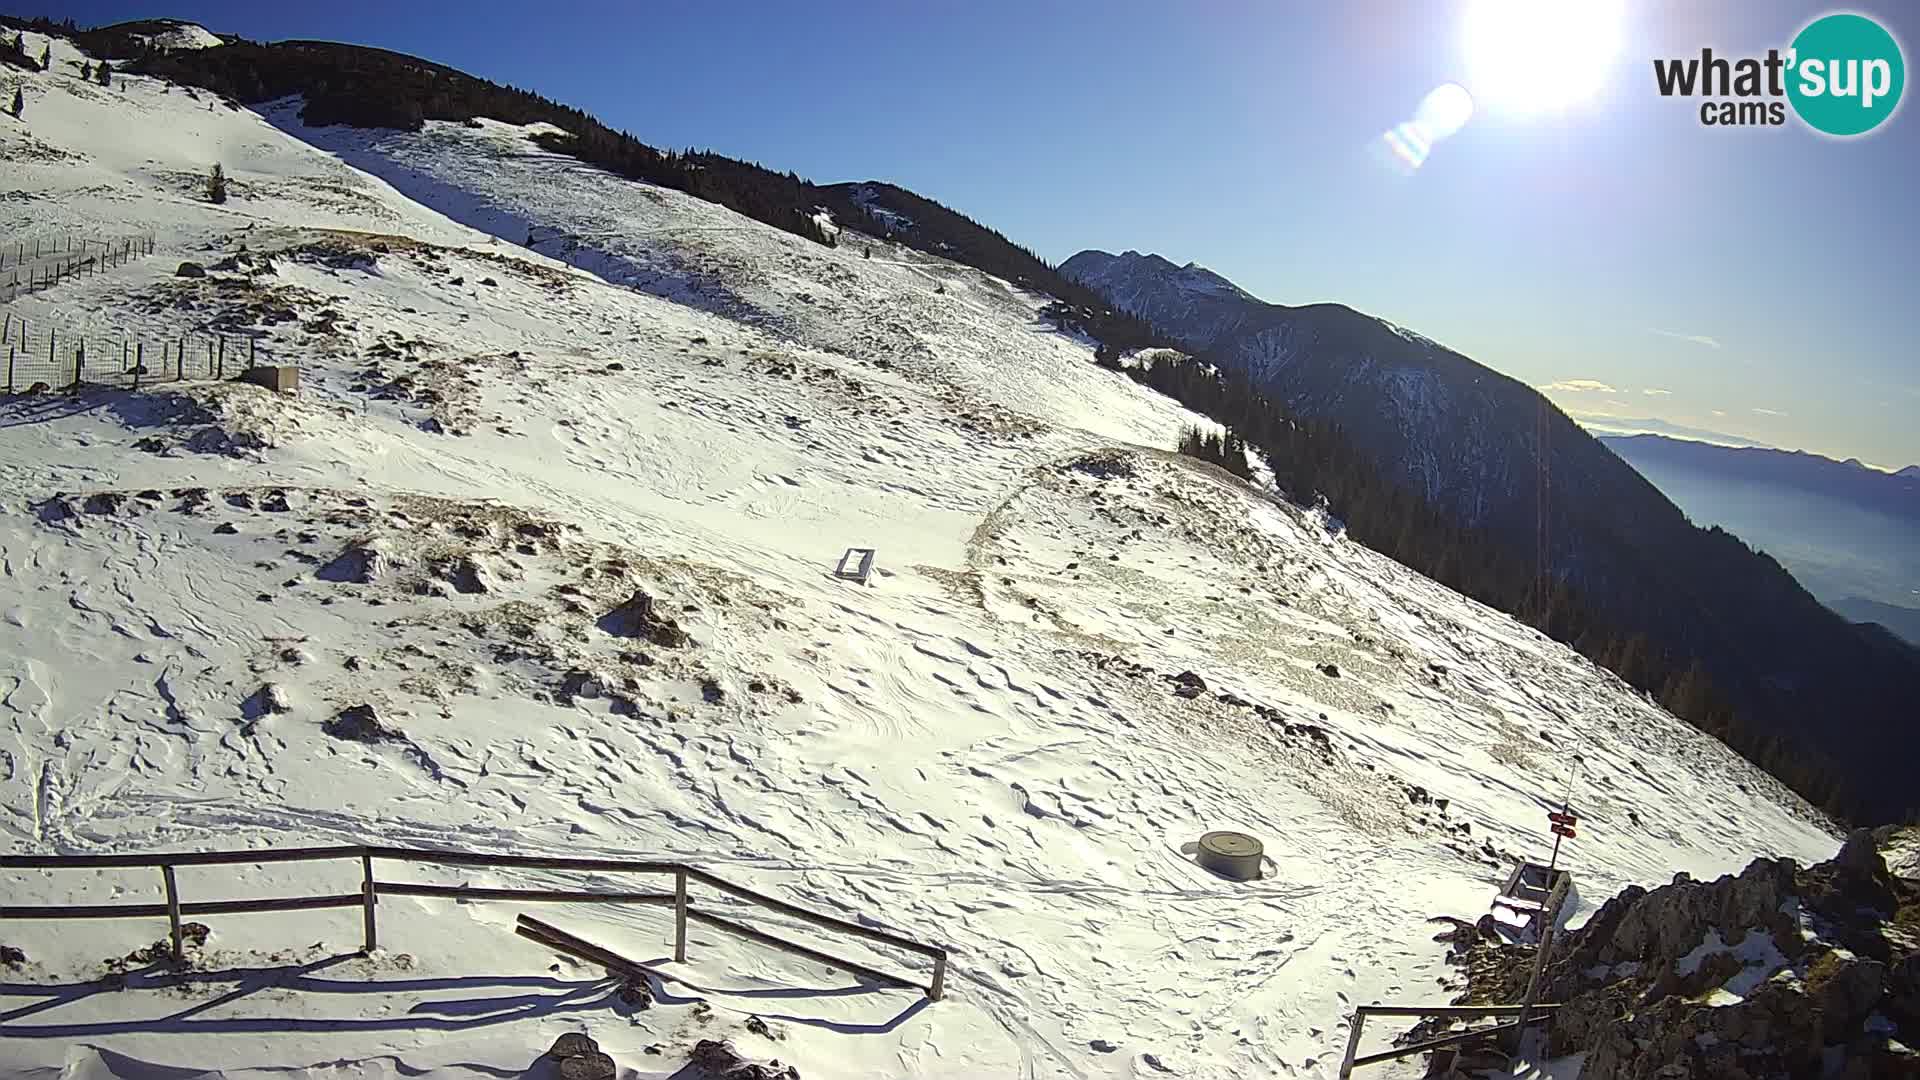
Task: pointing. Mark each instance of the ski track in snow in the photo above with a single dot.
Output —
(980, 749)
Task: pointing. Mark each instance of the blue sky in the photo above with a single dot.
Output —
(1763, 278)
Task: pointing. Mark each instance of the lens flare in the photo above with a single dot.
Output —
(1442, 113)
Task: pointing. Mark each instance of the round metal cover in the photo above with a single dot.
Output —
(1231, 854)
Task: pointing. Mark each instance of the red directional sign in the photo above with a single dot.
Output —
(1562, 819)
(1563, 830)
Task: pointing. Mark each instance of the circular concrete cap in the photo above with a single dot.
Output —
(1231, 854)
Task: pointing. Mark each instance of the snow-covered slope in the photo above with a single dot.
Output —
(1079, 652)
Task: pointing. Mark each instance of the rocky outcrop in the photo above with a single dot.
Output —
(716, 1060)
(1778, 971)
(638, 618)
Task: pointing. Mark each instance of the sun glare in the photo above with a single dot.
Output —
(1540, 55)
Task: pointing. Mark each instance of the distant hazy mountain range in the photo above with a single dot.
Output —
(1848, 532)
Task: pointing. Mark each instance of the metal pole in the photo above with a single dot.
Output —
(173, 912)
(680, 916)
(367, 899)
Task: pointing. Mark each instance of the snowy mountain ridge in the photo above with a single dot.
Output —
(1080, 651)
(1493, 454)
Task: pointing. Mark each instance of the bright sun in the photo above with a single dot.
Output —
(1540, 55)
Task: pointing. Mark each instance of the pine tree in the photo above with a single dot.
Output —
(217, 184)
(105, 73)
(86, 71)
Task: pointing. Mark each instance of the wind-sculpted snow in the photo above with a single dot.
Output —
(1077, 654)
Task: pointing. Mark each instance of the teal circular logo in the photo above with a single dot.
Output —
(1845, 74)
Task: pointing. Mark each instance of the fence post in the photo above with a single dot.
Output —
(367, 898)
(1551, 915)
(680, 915)
(79, 359)
(1353, 1041)
(938, 988)
(209, 358)
(139, 361)
(221, 371)
(173, 911)
(9, 369)
(251, 342)
(50, 332)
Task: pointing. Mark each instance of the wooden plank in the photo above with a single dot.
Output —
(156, 911)
(1435, 1044)
(802, 914)
(1455, 1011)
(530, 862)
(538, 896)
(573, 945)
(181, 858)
(764, 938)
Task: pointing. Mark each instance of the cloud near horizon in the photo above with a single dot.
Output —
(1578, 386)
(1768, 412)
(1654, 391)
(1697, 339)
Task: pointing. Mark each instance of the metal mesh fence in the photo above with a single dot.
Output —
(43, 359)
(27, 268)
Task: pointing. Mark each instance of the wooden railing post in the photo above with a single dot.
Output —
(173, 912)
(1551, 915)
(1353, 1041)
(367, 900)
(938, 988)
(680, 916)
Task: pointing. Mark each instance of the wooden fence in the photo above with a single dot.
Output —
(46, 358)
(174, 908)
(1526, 1013)
(26, 269)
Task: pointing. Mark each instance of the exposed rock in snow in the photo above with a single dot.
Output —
(360, 723)
(1777, 972)
(718, 1060)
(361, 562)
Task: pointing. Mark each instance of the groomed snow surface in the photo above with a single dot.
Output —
(1078, 654)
